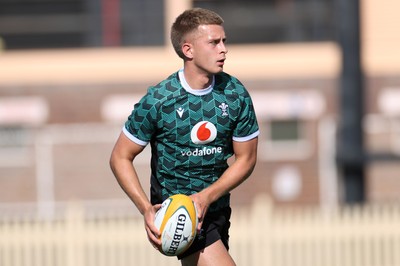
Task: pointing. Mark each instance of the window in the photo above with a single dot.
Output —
(26, 24)
(287, 120)
(275, 21)
(14, 136)
(285, 139)
(284, 130)
(15, 146)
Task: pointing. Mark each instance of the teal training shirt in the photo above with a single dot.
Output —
(191, 132)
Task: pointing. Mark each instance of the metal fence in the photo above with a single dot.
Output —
(260, 235)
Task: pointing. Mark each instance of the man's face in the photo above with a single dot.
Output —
(208, 48)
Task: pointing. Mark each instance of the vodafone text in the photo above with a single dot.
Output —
(202, 152)
(178, 234)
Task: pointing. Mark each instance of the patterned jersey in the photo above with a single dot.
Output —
(191, 132)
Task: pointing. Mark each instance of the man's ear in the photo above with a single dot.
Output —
(187, 50)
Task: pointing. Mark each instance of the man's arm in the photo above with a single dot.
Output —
(122, 156)
(238, 171)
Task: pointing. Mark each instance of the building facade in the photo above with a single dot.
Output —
(61, 111)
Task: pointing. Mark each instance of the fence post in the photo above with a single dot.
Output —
(74, 230)
(260, 224)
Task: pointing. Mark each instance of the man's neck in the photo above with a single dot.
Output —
(197, 80)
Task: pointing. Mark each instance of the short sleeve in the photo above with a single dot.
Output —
(247, 126)
(141, 123)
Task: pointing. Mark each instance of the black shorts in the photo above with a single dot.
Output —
(215, 227)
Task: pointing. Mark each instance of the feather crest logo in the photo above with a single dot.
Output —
(224, 108)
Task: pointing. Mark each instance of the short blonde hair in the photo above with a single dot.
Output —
(188, 22)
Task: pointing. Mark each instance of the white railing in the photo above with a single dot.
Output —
(260, 235)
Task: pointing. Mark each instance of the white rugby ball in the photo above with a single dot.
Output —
(177, 222)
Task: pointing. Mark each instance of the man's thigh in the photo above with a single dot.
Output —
(215, 254)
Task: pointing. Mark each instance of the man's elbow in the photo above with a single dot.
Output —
(252, 162)
(112, 161)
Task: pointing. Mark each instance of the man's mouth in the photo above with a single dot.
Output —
(221, 62)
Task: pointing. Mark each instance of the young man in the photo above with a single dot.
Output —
(194, 120)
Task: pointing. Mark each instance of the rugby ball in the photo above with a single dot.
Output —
(177, 222)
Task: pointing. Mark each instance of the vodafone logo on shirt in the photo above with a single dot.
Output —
(203, 132)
